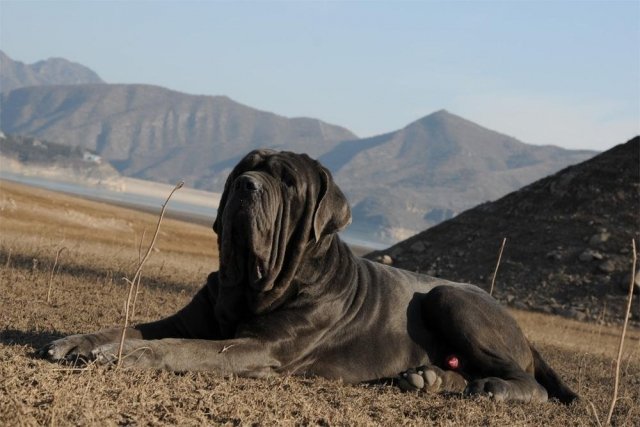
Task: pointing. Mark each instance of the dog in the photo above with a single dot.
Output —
(291, 298)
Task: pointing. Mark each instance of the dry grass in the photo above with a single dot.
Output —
(88, 292)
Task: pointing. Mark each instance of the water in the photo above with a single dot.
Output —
(179, 208)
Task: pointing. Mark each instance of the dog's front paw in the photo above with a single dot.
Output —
(71, 348)
(138, 353)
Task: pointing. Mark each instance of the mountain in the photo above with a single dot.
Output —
(405, 181)
(398, 183)
(53, 71)
(569, 240)
(154, 133)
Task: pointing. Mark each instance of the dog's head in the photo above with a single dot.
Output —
(275, 205)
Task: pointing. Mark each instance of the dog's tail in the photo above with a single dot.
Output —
(550, 380)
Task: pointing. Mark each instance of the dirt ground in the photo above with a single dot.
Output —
(101, 246)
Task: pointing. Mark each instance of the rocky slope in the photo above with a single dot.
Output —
(53, 71)
(568, 240)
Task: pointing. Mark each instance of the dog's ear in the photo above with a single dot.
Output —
(332, 212)
(247, 163)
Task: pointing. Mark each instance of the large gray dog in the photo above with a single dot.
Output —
(291, 298)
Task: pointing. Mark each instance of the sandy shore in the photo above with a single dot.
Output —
(159, 190)
(187, 204)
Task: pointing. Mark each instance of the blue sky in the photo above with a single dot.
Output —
(546, 72)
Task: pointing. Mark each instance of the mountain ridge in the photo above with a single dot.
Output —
(156, 133)
(398, 183)
(433, 168)
(16, 74)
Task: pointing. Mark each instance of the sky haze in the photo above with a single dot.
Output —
(555, 72)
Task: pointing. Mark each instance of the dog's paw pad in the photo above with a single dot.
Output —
(411, 380)
(433, 380)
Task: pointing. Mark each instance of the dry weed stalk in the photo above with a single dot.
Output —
(53, 272)
(137, 292)
(6, 266)
(495, 272)
(595, 413)
(138, 272)
(614, 398)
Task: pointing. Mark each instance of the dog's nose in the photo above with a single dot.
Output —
(248, 183)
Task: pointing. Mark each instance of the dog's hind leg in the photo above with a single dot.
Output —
(493, 353)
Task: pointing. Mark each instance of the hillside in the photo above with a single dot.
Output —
(30, 156)
(569, 240)
(431, 170)
(154, 133)
(53, 71)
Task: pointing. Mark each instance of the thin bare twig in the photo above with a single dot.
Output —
(137, 292)
(595, 413)
(6, 265)
(53, 272)
(495, 272)
(144, 232)
(614, 398)
(139, 270)
(225, 348)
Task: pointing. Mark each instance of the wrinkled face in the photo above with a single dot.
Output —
(274, 205)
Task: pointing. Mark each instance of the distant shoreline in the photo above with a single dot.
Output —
(196, 208)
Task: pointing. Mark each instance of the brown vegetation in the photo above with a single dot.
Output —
(102, 244)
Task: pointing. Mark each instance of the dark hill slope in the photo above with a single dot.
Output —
(569, 239)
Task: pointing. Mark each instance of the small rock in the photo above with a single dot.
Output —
(510, 298)
(599, 238)
(418, 247)
(554, 255)
(573, 314)
(607, 267)
(585, 256)
(520, 305)
(590, 255)
(546, 309)
(624, 282)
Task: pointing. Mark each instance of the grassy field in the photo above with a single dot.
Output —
(101, 246)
